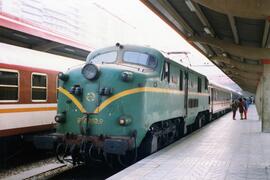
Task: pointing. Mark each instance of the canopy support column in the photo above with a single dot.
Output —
(265, 97)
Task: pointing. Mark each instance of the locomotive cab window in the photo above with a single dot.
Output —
(39, 87)
(108, 57)
(140, 59)
(9, 85)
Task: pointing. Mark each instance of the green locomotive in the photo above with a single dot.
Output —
(127, 100)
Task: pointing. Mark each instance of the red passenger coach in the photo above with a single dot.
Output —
(27, 99)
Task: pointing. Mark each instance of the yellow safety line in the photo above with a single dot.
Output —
(73, 99)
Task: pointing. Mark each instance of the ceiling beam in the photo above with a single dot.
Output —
(252, 68)
(238, 50)
(265, 33)
(247, 77)
(238, 73)
(168, 11)
(206, 25)
(234, 29)
(252, 9)
(244, 81)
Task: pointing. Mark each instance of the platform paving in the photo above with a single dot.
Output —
(224, 149)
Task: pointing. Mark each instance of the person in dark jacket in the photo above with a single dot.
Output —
(234, 106)
(246, 104)
(241, 107)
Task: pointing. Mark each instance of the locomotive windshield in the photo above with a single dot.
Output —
(108, 57)
(139, 58)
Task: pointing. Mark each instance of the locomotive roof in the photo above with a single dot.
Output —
(190, 70)
(130, 47)
(143, 49)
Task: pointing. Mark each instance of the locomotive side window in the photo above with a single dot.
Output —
(9, 85)
(166, 72)
(108, 57)
(174, 73)
(205, 83)
(140, 58)
(39, 87)
(199, 84)
(181, 81)
(193, 103)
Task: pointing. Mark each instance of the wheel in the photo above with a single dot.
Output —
(61, 152)
(180, 129)
(149, 145)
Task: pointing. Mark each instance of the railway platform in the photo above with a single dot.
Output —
(224, 149)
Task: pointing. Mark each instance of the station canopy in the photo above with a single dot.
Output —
(19, 32)
(232, 34)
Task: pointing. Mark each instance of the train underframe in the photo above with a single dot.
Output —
(124, 150)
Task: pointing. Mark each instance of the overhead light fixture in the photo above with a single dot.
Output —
(201, 47)
(224, 54)
(207, 30)
(190, 5)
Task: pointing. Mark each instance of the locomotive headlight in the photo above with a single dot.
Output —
(60, 118)
(62, 76)
(90, 71)
(124, 121)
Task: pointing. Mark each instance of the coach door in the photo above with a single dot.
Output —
(186, 93)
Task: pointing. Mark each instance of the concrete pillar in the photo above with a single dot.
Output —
(265, 98)
(258, 98)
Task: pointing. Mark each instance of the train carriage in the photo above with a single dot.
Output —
(27, 99)
(220, 100)
(28, 82)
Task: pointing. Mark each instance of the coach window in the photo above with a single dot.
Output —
(9, 85)
(199, 84)
(39, 87)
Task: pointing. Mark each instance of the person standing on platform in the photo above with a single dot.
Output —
(234, 108)
(246, 104)
(241, 107)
